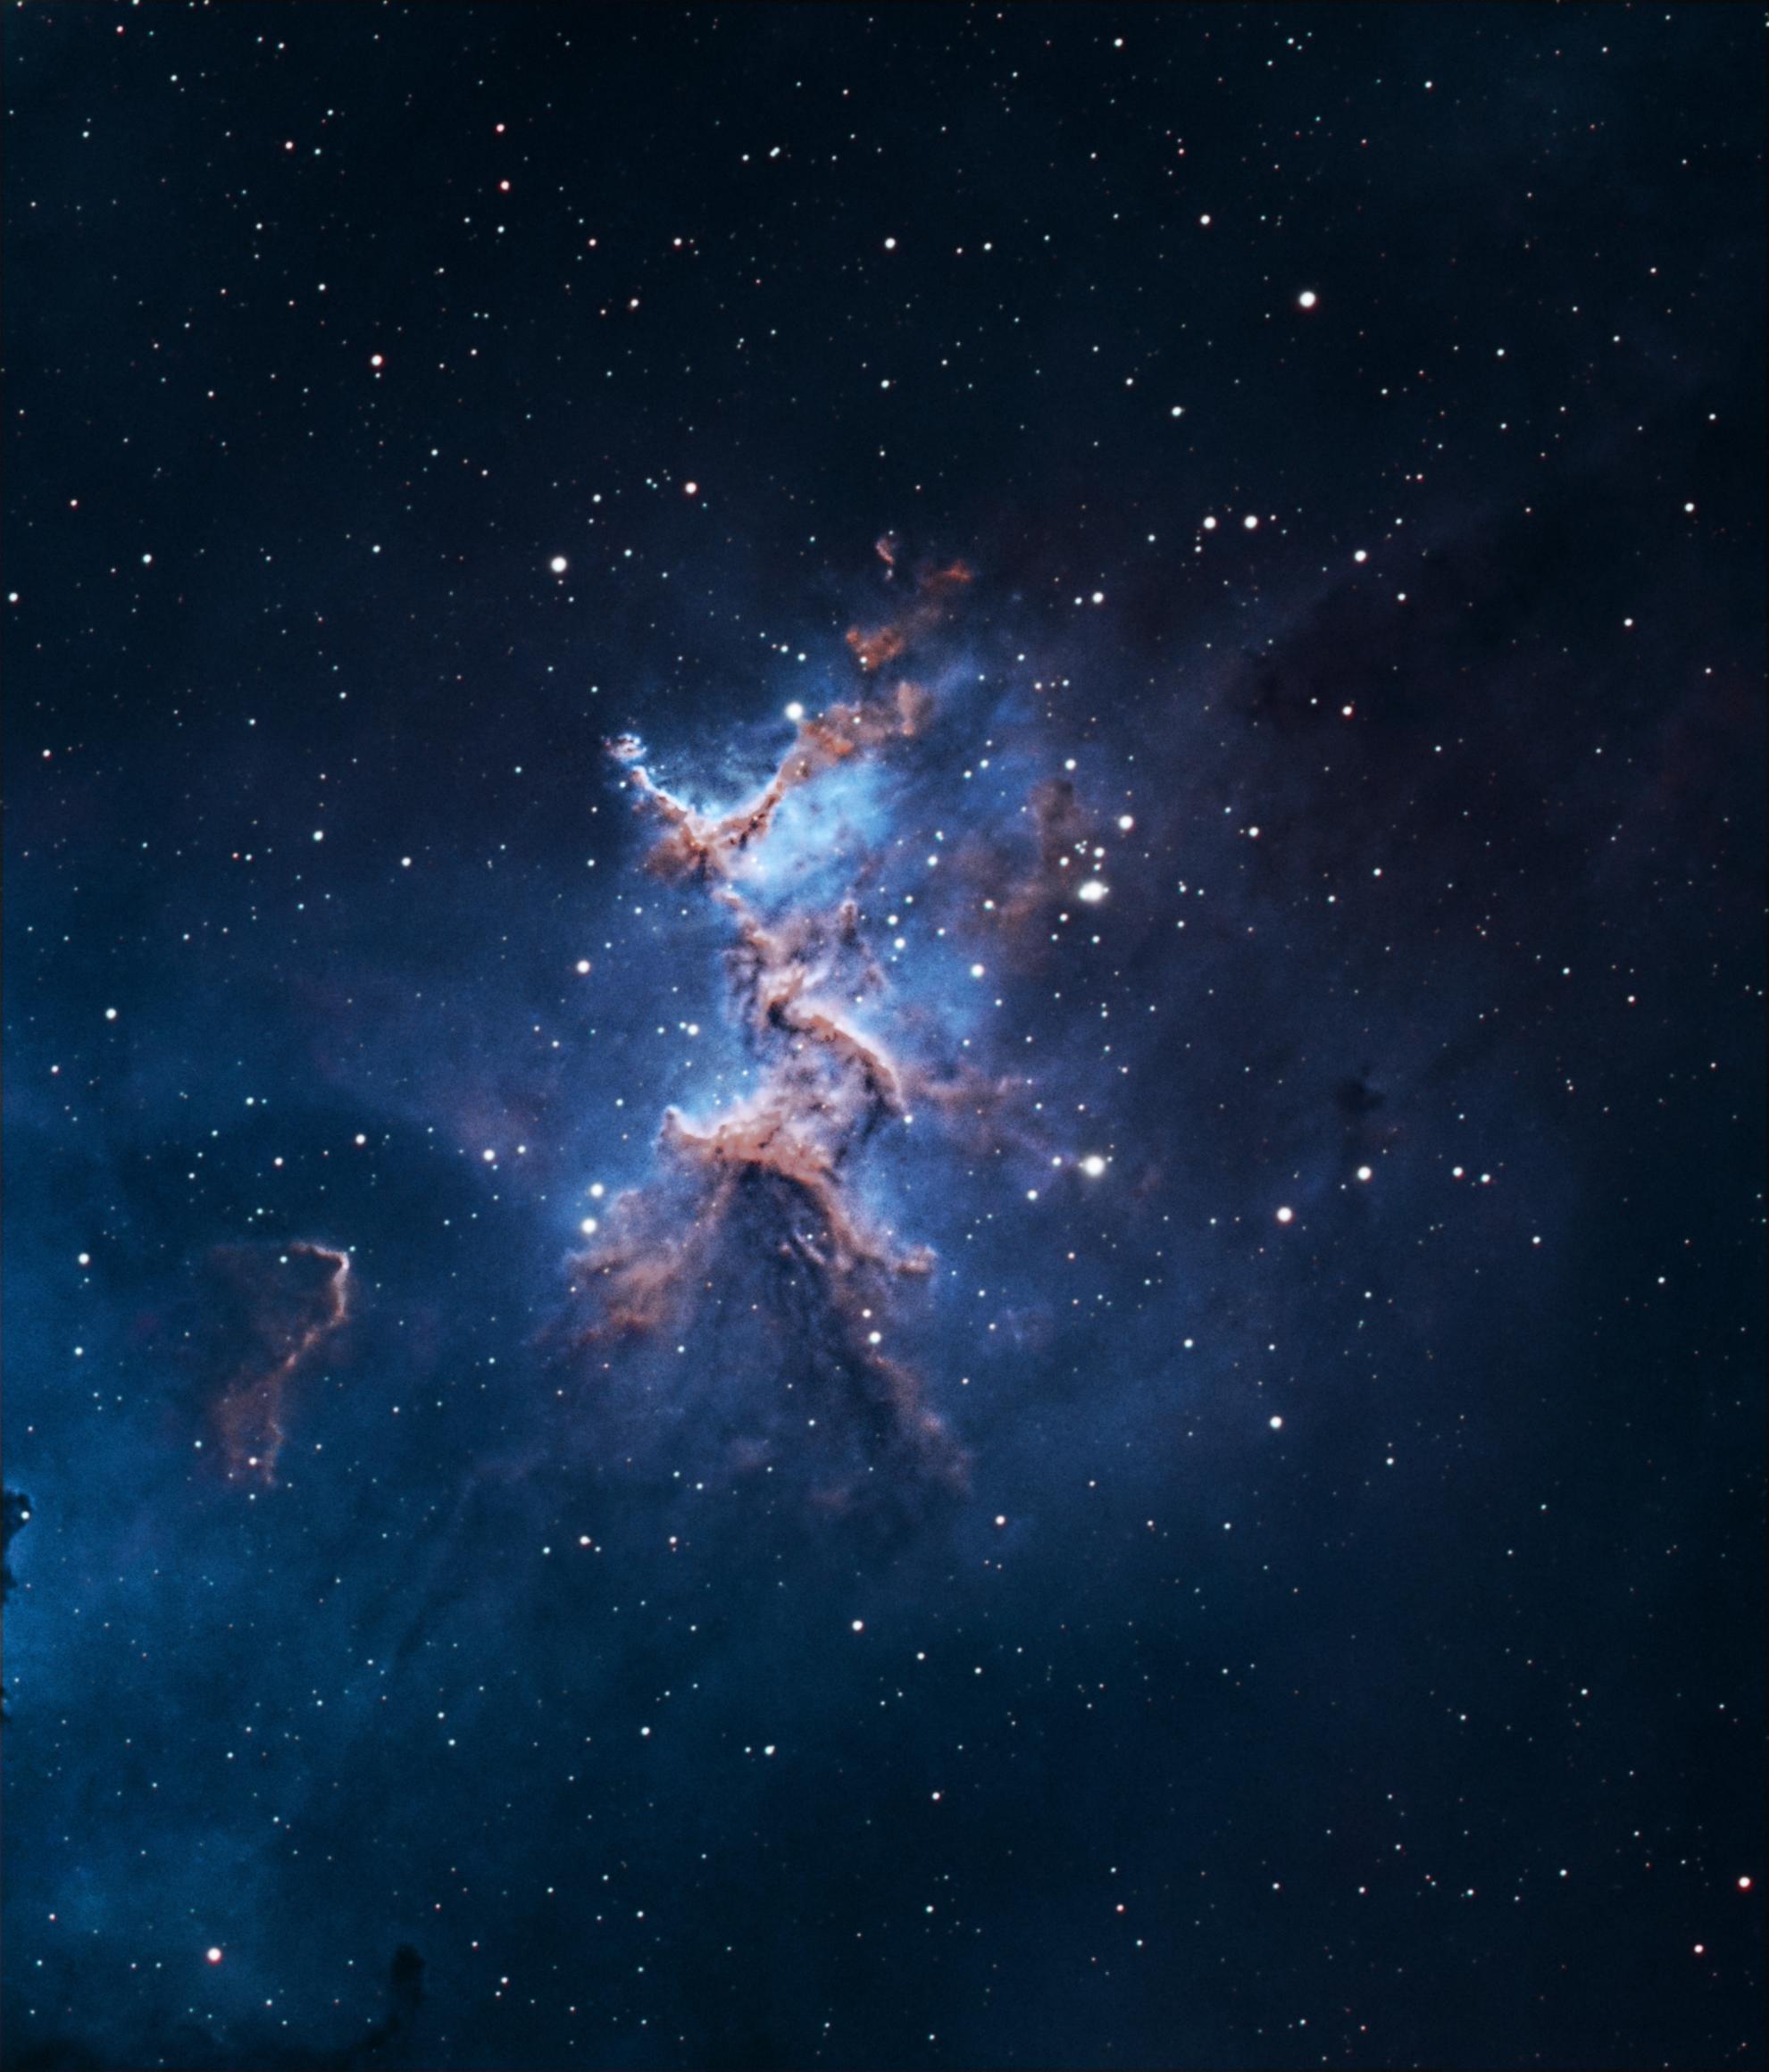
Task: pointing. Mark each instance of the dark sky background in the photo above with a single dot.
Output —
(1327, 1628)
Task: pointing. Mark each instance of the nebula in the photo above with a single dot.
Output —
(752, 1297)
(268, 1310)
(752, 1238)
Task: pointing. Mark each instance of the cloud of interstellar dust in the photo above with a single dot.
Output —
(752, 1240)
(267, 1311)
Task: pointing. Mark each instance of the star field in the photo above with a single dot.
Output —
(884, 1023)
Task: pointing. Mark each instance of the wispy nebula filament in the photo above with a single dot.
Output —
(754, 1238)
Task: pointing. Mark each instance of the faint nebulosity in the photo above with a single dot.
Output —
(884, 1024)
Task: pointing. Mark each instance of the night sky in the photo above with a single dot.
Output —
(884, 1020)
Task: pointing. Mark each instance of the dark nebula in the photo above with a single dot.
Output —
(264, 1313)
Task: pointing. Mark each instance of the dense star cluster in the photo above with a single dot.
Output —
(884, 1017)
